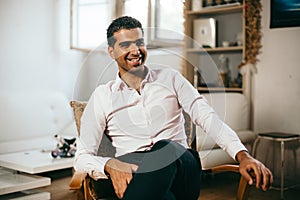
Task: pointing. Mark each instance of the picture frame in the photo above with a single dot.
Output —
(284, 14)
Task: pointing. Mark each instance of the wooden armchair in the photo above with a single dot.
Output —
(81, 180)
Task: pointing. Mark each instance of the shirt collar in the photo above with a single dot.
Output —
(120, 84)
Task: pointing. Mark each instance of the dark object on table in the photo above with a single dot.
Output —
(65, 147)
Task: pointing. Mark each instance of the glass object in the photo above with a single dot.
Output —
(224, 78)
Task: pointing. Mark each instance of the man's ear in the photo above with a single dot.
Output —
(111, 52)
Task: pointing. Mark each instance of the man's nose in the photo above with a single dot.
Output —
(134, 48)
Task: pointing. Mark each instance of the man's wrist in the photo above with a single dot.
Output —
(241, 155)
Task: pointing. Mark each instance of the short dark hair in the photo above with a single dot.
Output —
(124, 22)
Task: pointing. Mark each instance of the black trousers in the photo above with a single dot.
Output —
(167, 172)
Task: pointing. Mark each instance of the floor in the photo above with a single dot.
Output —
(224, 187)
(59, 187)
(217, 187)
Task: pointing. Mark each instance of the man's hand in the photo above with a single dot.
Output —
(263, 175)
(120, 174)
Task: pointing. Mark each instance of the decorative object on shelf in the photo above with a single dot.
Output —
(233, 1)
(208, 4)
(65, 148)
(225, 43)
(239, 39)
(238, 81)
(219, 2)
(224, 72)
(199, 81)
(253, 31)
(197, 5)
(205, 32)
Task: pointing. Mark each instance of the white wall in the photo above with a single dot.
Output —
(276, 90)
(34, 59)
(34, 52)
(276, 93)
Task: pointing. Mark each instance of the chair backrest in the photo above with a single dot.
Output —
(105, 148)
(78, 108)
(190, 130)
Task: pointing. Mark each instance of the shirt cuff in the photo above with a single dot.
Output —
(99, 173)
(234, 148)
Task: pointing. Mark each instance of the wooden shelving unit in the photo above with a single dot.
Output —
(228, 17)
(220, 89)
(241, 17)
(217, 49)
(217, 10)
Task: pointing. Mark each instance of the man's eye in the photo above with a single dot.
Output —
(140, 43)
(125, 44)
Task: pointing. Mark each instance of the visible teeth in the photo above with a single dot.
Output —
(134, 60)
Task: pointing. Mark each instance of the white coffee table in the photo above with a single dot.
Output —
(19, 168)
(11, 182)
(34, 162)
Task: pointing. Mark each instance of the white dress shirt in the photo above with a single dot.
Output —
(136, 121)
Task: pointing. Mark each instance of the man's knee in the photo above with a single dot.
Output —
(195, 155)
(190, 160)
(170, 150)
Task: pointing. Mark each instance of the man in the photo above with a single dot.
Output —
(141, 111)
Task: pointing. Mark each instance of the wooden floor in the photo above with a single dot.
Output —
(59, 187)
(217, 187)
(224, 187)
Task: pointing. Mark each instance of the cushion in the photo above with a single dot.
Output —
(217, 157)
(233, 109)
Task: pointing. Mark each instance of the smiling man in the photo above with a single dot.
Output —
(127, 47)
(141, 111)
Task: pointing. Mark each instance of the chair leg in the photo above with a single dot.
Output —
(243, 190)
(80, 194)
(87, 195)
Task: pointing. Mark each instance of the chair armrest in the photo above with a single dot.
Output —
(228, 168)
(225, 168)
(242, 193)
(77, 180)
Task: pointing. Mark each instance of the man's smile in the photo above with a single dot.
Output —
(136, 60)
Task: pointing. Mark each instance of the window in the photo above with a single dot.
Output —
(168, 22)
(137, 9)
(88, 19)
(161, 19)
